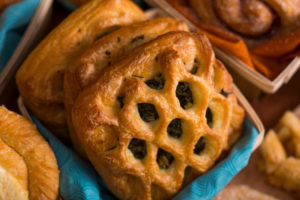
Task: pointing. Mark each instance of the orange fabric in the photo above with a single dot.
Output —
(269, 58)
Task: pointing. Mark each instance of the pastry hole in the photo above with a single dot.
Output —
(195, 67)
(147, 112)
(184, 95)
(175, 128)
(164, 159)
(120, 100)
(157, 82)
(224, 93)
(138, 148)
(200, 146)
(209, 117)
(138, 38)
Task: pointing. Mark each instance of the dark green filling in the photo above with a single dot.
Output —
(184, 94)
(224, 93)
(199, 146)
(140, 37)
(174, 129)
(138, 148)
(194, 70)
(209, 117)
(164, 159)
(120, 99)
(147, 112)
(157, 82)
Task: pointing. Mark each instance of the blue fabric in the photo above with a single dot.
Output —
(13, 23)
(78, 179)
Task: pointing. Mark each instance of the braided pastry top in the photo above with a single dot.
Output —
(249, 17)
(156, 115)
(28, 167)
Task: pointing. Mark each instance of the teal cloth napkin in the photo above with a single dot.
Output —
(13, 23)
(79, 181)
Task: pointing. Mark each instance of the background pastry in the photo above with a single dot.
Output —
(105, 51)
(40, 78)
(254, 20)
(280, 151)
(28, 168)
(242, 192)
(153, 114)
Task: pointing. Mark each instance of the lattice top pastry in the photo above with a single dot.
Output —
(85, 69)
(162, 109)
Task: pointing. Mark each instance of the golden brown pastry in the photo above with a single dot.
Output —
(6, 3)
(242, 192)
(40, 78)
(28, 168)
(160, 110)
(252, 18)
(105, 51)
(281, 154)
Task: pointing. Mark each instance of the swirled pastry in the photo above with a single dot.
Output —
(105, 51)
(28, 168)
(157, 114)
(254, 18)
(40, 78)
(281, 154)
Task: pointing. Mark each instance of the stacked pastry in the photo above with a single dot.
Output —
(28, 168)
(145, 100)
(281, 154)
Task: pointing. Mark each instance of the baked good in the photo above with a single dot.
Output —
(104, 52)
(242, 192)
(250, 18)
(6, 3)
(155, 115)
(28, 168)
(40, 78)
(280, 151)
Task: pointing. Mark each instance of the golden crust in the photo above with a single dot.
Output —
(40, 78)
(281, 153)
(23, 139)
(104, 52)
(108, 121)
(242, 192)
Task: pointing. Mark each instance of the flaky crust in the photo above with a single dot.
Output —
(104, 52)
(26, 151)
(40, 78)
(106, 126)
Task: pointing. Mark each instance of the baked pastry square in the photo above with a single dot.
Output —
(104, 52)
(160, 110)
(40, 78)
(28, 168)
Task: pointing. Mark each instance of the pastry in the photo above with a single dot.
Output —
(28, 168)
(280, 151)
(40, 78)
(6, 3)
(250, 18)
(160, 110)
(242, 192)
(105, 51)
